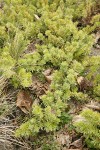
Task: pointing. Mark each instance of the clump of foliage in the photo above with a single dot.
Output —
(63, 49)
(59, 45)
(90, 127)
(94, 74)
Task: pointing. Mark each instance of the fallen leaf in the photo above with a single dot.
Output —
(77, 143)
(84, 84)
(48, 75)
(47, 72)
(94, 106)
(97, 40)
(49, 79)
(38, 87)
(64, 139)
(31, 49)
(24, 101)
(1, 5)
(80, 80)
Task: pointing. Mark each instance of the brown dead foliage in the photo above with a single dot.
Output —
(24, 101)
(37, 87)
(84, 84)
(68, 140)
(48, 75)
(97, 40)
(64, 139)
(1, 5)
(93, 105)
(31, 47)
(77, 143)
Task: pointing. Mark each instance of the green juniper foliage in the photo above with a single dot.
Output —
(59, 44)
(90, 127)
(94, 73)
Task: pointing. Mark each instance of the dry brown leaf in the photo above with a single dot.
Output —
(97, 39)
(38, 87)
(64, 139)
(84, 84)
(1, 5)
(31, 49)
(49, 78)
(94, 106)
(24, 101)
(47, 72)
(48, 75)
(80, 80)
(77, 143)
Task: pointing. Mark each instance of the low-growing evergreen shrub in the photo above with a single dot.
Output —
(90, 127)
(59, 45)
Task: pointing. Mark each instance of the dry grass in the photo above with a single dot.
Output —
(7, 119)
(7, 138)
